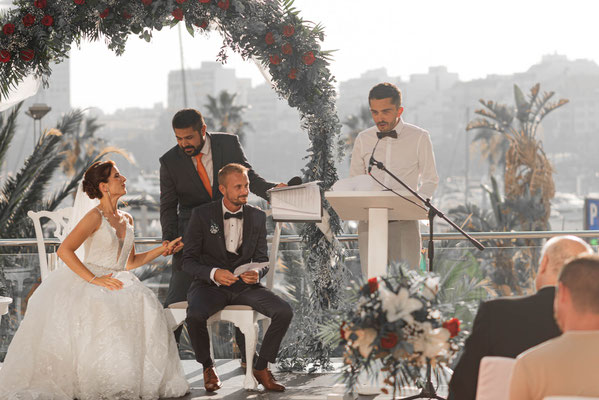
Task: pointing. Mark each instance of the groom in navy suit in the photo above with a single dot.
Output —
(221, 236)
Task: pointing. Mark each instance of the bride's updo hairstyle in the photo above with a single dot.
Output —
(98, 172)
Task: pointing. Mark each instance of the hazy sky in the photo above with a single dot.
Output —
(471, 37)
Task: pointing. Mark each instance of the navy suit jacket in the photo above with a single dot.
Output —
(503, 327)
(205, 243)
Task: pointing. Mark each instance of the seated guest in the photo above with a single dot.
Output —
(221, 236)
(505, 327)
(567, 365)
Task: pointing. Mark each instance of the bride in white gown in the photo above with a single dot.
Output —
(86, 334)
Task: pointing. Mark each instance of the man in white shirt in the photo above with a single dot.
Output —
(567, 365)
(405, 150)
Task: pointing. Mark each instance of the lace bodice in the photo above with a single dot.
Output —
(104, 250)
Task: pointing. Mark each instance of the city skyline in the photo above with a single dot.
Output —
(471, 40)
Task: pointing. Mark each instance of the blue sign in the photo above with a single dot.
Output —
(591, 214)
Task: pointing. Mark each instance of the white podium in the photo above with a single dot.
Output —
(378, 208)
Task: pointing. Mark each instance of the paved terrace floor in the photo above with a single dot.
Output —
(300, 386)
(315, 386)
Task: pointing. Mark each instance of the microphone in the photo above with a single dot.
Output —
(296, 180)
(372, 161)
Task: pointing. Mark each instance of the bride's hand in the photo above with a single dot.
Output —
(108, 282)
(174, 246)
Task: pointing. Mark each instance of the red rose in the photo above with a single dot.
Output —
(205, 1)
(178, 14)
(308, 58)
(389, 340)
(146, 2)
(453, 326)
(204, 24)
(288, 30)
(292, 74)
(40, 3)
(105, 13)
(275, 59)
(8, 29)
(79, 2)
(373, 284)
(287, 49)
(269, 38)
(28, 20)
(27, 54)
(48, 20)
(4, 56)
(342, 330)
(224, 4)
(180, 1)
(126, 14)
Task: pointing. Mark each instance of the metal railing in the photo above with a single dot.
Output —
(354, 237)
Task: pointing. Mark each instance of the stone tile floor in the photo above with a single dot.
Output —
(300, 386)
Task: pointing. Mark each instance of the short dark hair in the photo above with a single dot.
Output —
(230, 169)
(188, 117)
(581, 277)
(97, 173)
(386, 90)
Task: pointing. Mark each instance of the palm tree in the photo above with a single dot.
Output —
(356, 124)
(528, 172)
(224, 114)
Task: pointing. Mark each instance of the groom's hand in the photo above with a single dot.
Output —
(250, 277)
(225, 277)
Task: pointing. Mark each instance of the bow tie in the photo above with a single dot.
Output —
(391, 134)
(238, 215)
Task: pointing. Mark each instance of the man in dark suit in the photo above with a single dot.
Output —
(506, 327)
(188, 178)
(221, 236)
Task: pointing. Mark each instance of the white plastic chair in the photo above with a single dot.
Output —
(243, 317)
(494, 377)
(61, 221)
(4, 303)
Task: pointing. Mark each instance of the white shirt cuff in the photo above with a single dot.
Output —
(212, 276)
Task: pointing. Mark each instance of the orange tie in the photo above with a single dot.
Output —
(203, 174)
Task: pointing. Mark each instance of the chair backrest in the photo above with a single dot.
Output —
(494, 377)
(570, 398)
(61, 222)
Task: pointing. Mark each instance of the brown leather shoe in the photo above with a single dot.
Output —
(211, 380)
(266, 379)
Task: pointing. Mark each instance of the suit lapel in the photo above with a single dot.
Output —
(247, 230)
(217, 217)
(217, 161)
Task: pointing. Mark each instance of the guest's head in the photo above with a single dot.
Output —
(576, 302)
(385, 106)
(103, 179)
(190, 130)
(554, 255)
(234, 184)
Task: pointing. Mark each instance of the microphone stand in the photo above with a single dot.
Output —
(428, 391)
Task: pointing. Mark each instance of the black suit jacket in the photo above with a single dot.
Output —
(205, 243)
(503, 327)
(181, 188)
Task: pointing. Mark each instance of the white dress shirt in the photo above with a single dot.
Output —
(233, 228)
(206, 159)
(410, 157)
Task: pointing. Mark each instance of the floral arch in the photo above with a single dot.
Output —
(37, 32)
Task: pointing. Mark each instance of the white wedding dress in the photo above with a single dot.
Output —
(82, 341)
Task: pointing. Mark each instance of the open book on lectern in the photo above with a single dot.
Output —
(300, 203)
